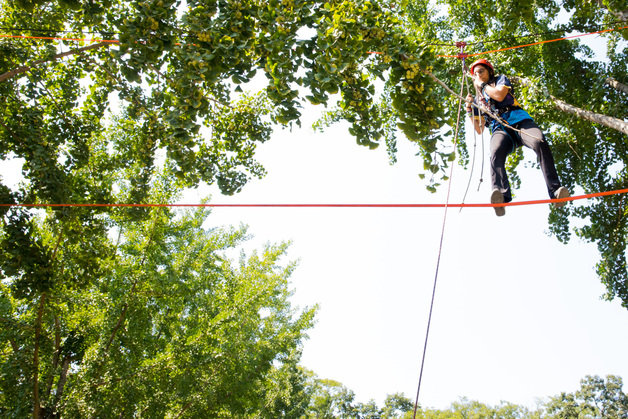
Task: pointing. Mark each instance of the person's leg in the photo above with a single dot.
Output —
(532, 137)
(502, 144)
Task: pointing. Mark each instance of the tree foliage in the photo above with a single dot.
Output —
(133, 303)
(596, 398)
(161, 323)
(175, 67)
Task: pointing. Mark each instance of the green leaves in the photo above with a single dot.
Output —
(149, 310)
(597, 397)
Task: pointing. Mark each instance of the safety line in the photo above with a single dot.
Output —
(464, 197)
(418, 205)
(534, 43)
(442, 238)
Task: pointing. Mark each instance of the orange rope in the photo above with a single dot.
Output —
(54, 38)
(478, 205)
(534, 43)
(114, 41)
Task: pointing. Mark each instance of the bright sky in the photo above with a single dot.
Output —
(517, 316)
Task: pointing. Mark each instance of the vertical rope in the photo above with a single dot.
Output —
(482, 167)
(475, 140)
(440, 249)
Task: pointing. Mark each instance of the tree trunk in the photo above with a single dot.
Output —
(63, 377)
(55, 357)
(40, 314)
(25, 68)
(607, 121)
(617, 85)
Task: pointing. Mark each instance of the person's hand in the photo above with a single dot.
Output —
(477, 83)
(468, 103)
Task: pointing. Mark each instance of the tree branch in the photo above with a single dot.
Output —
(598, 118)
(63, 377)
(617, 85)
(25, 68)
(186, 407)
(608, 121)
(619, 14)
(55, 357)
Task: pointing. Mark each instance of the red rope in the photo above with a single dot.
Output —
(478, 205)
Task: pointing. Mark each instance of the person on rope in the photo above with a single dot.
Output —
(514, 128)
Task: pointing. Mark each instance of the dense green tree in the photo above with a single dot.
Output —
(287, 395)
(175, 66)
(395, 405)
(112, 304)
(470, 409)
(330, 399)
(596, 398)
(169, 324)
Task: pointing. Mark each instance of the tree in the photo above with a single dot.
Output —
(330, 399)
(596, 398)
(396, 405)
(287, 395)
(169, 324)
(93, 123)
(175, 65)
(566, 87)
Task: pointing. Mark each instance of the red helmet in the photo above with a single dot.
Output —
(481, 61)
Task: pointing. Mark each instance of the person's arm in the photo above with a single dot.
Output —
(497, 92)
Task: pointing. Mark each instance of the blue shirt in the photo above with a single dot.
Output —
(502, 108)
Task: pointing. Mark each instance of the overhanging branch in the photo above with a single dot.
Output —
(617, 85)
(25, 68)
(598, 118)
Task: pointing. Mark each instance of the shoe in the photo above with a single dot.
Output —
(561, 193)
(498, 198)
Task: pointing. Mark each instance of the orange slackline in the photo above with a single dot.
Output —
(482, 205)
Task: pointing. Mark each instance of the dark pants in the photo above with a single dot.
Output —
(505, 141)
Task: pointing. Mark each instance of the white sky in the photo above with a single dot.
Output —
(517, 315)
